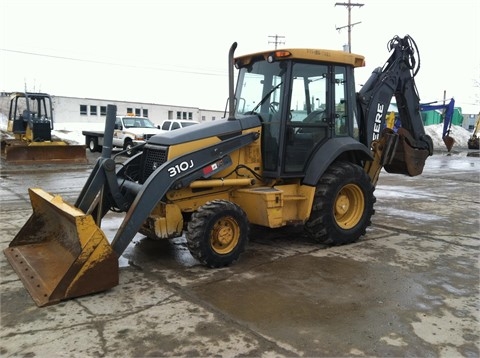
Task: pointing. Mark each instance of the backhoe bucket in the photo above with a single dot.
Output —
(449, 142)
(60, 252)
(407, 160)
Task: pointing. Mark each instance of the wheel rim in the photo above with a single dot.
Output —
(349, 206)
(128, 148)
(225, 235)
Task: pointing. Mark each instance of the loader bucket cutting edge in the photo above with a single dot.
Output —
(41, 154)
(60, 252)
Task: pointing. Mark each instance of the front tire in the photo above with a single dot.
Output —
(343, 205)
(217, 233)
(128, 147)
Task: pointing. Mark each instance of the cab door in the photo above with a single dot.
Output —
(309, 114)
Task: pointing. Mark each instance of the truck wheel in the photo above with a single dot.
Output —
(128, 145)
(217, 233)
(93, 144)
(343, 205)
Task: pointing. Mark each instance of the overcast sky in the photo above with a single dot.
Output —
(176, 51)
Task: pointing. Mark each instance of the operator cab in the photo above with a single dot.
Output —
(301, 101)
(31, 116)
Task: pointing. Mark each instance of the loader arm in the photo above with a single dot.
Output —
(102, 175)
(162, 180)
(138, 200)
(403, 152)
(448, 111)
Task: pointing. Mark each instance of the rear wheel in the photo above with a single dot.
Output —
(93, 144)
(217, 233)
(343, 205)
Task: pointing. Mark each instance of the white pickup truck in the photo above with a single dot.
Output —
(129, 132)
(172, 124)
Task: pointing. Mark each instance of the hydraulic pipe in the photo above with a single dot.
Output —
(214, 183)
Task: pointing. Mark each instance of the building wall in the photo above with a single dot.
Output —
(92, 110)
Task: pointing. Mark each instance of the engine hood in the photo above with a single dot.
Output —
(222, 128)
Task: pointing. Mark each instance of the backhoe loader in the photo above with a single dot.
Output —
(474, 142)
(30, 125)
(298, 146)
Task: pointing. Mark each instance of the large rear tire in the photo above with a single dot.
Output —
(217, 233)
(343, 205)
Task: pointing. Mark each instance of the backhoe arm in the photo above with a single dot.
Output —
(405, 150)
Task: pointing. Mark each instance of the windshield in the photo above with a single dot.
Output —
(259, 88)
(138, 122)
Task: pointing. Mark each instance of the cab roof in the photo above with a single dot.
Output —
(306, 54)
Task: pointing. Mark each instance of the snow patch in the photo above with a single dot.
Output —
(458, 133)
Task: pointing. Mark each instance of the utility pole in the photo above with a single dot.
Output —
(277, 41)
(349, 6)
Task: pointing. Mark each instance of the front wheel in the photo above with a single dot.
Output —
(217, 233)
(343, 205)
(128, 147)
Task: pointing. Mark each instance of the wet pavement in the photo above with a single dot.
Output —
(409, 287)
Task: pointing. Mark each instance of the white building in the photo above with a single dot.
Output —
(92, 110)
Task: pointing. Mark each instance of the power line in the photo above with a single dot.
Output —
(210, 73)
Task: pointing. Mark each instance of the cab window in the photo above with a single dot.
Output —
(166, 126)
(341, 98)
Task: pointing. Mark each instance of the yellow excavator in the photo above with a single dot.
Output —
(473, 141)
(29, 133)
(298, 146)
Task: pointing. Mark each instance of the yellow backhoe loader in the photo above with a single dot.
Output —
(473, 141)
(29, 129)
(298, 147)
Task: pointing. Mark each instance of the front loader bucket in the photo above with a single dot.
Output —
(19, 152)
(60, 252)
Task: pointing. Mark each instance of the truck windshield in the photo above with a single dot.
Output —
(138, 123)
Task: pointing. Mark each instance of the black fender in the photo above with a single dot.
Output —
(329, 152)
